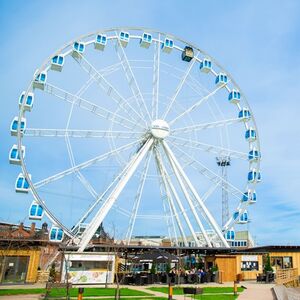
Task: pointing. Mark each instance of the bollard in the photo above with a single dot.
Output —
(170, 297)
(235, 288)
(80, 293)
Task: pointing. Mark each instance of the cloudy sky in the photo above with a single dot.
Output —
(256, 41)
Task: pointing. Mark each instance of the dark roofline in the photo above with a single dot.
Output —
(275, 248)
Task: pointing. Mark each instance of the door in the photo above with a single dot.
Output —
(14, 269)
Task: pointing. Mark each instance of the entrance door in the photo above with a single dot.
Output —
(14, 269)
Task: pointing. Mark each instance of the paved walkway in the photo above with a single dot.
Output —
(257, 291)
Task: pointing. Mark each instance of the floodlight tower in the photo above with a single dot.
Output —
(224, 162)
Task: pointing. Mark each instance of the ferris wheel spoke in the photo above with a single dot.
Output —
(138, 198)
(155, 81)
(89, 106)
(197, 104)
(207, 125)
(131, 80)
(111, 199)
(220, 151)
(165, 185)
(107, 87)
(212, 176)
(181, 176)
(83, 165)
(77, 133)
(179, 87)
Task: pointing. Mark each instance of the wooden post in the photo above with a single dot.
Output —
(80, 293)
(235, 288)
(170, 296)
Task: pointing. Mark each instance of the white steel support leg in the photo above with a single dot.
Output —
(107, 205)
(188, 198)
(194, 192)
(170, 198)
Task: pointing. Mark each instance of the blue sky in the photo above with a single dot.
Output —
(256, 41)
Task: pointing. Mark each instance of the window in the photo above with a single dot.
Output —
(249, 266)
(282, 262)
(90, 265)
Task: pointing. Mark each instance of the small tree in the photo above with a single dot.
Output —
(168, 267)
(153, 268)
(268, 267)
(52, 272)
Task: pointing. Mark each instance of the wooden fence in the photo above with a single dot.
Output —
(287, 277)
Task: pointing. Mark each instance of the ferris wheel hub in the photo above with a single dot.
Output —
(160, 129)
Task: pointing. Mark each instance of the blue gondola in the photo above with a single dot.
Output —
(234, 96)
(244, 218)
(100, 42)
(14, 126)
(57, 63)
(230, 235)
(56, 234)
(29, 101)
(221, 79)
(236, 215)
(254, 155)
(40, 80)
(168, 45)
(205, 65)
(36, 211)
(78, 49)
(187, 54)
(146, 40)
(14, 156)
(250, 135)
(254, 176)
(244, 115)
(124, 38)
(249, 196)
(22, 185)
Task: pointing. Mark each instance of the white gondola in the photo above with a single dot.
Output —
(250, 135)
(244, 115)
(221, 79)
(22, 185)
(205, 65)
(254, 155)
(168, 45)
(230, 235)
(14, 126)
(254, 176)
(57, 63)
(249, 196)
(40, 80)
(187, 54)
(124, 38)
(146, 40)
(36, 211)
(234, 97)
(29, 100)
(78, 49)
(14, 156)
(56, 234)
(100, 42)
(244, 218)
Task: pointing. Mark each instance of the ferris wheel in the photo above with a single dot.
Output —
(124, 126)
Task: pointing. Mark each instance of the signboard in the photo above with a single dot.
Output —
(249, 258)
(84, 277)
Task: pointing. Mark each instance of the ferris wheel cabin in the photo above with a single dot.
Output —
(230, 235)
(250, 135)
(187, 54)
(40, 80)
(124, 38)
(244, 218)
(221, 79)
(36, 211)
(57, 63)
(244, 115)
(56, 234)
(14, 156)
(254, 176)
(254, 155)
(14, 126)
(29, 101)
(78, 49)
(205, 65)
(146, 40)
(100, 42)
(249, 196)
(168, 45)
(234, 97)
(22, 185)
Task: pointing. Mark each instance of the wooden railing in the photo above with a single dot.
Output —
(287, 276)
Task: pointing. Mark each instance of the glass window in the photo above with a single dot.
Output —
(90, 265)
(249, 266)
